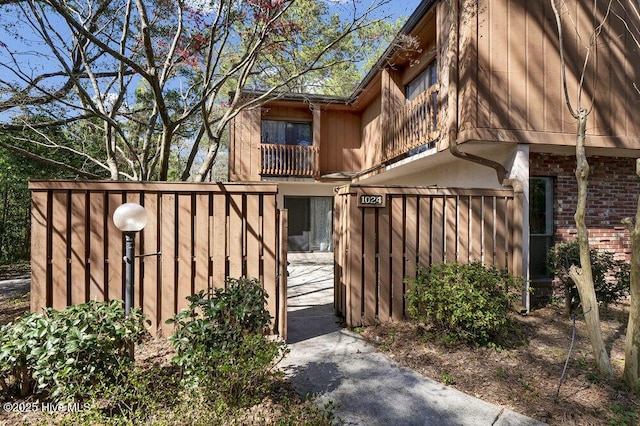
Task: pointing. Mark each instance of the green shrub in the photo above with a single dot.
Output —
(65, 352)
(221, 341)
(610, 277)
(465, 302)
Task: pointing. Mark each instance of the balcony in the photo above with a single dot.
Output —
(289, 160)
(413, 127)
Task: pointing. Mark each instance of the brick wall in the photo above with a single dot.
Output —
(613, 194)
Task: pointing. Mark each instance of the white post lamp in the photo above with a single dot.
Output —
(129, 218)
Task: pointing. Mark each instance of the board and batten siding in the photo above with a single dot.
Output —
(339, 141)
(244, 152)
(510, 79)
(201, 233)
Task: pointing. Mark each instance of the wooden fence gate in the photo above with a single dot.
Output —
(381, 235)
(202, 232)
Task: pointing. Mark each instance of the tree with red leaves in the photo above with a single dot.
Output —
(145, 89)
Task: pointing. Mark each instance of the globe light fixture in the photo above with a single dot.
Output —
(129, 218)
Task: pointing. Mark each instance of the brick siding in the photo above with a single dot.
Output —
(613, 194)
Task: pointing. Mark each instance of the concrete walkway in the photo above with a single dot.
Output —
(367, 387)
(15, 287)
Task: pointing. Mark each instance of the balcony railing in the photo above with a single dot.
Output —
(412, 127)
(289, 160)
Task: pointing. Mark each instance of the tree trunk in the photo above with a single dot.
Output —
(4, 386)
(25, 381)
(583, 276)
(165, 152)
(201, 174)
(5, 207)
(632, 341)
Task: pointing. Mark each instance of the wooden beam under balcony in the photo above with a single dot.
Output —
(413, 126)
(288, 160)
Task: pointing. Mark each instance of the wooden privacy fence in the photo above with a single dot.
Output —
(382, 234)
(202, 232)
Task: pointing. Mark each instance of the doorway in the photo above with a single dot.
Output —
(310, 223)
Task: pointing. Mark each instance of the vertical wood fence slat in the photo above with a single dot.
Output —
(437, 234)
(424, 234)
(411, 233)
(97, 254)
(39, 257)
(475, 239)
(151, 281)
(236, 236)
(270, 238)
(77, 250)
(369, 266)
(501, 233)
(185, 244)
(397, 258)
(201, 243)
(355, 286)
(218, 240)
(384, 254)
(167, 296)
(451, 228)
(488, 234)
(463, 229)
(115, 264)
(254, 235)
(416, 226)
(59, 250)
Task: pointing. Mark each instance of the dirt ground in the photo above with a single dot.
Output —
(525, 378)
(282, 403)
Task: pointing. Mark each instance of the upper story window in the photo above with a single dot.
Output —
(422, 82)
(287, 133)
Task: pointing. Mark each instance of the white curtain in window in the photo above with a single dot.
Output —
(321, 223)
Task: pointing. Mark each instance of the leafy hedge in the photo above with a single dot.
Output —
(226, 364)
(611, 278)
(464, 302)
(221, 340)
(64, 352)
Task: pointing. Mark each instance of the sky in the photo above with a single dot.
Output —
(403, 7)
(395, 8)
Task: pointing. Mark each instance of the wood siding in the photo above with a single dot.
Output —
(244, 150)
(339, 142)
(371, 148)
(205, 233)
(336, 143)
(499, 80)
(510, 80)
(377, 248)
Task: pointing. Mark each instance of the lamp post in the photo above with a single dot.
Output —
(129, 218)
